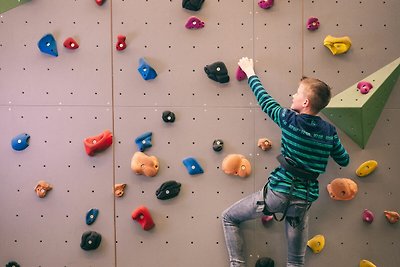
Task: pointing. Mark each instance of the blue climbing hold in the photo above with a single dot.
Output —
(192, 166)
(48, 45)
(20, 142)
(147, 72)
(91, 216)
(144, 141)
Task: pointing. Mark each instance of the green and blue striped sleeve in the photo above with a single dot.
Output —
(267, 103)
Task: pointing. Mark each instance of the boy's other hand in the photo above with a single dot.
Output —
(247, 65)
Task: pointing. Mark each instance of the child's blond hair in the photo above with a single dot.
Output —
(318, 92)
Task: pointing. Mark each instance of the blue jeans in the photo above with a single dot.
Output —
(296, 225)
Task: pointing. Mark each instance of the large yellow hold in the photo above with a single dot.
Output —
(317, 243)
(365, 263)
(337, 45)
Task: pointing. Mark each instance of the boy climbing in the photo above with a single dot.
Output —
(306, 144)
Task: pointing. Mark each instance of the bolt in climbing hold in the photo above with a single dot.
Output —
(194, 23)
(20, 142)
(47, 45)
(265, 4)
(364, 87)
(70, 43)
(312, 24)
(121, 42)
(147, 72)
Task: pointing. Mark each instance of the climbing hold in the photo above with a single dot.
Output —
(264, 144)
(121, 42)
(147, 72)
(194, 23)
(364, 87)
(337, 45)
(119, 190)
(365, 263)
(265, 262)
(167, 190)
(342, 189)
(312, 24)
(193, 5)
(20, 142)
(47, 45)
(366, 168)
(218, 145)
(13, 264)
(143, 164)
(357, 115)
(100, 2)
(217, 71)
(236, 164)
(144, 141)
(90, 240)
(143, 217)
(265, 4)
(91, 216)
(240, 74)
(98, 143)
(392, 216)
(168, 116)
(70, 43)
(317, 243)
(367, 216)
(192, 166)
(265, 219)
(42, 188)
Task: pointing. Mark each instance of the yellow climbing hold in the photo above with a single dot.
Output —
(317, 243)
(337, 45)
(365, 263)
(366, 168)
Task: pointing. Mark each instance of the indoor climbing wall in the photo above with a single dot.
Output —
(60, 101)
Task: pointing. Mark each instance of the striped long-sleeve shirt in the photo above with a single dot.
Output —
(306, 139)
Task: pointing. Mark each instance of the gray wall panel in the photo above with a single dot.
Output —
(60, 101)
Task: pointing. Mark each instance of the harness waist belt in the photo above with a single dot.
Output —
(296, 171)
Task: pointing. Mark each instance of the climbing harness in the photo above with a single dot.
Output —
(298, 174)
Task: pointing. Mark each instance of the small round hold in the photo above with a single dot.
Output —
(168, 116)
(218, 144)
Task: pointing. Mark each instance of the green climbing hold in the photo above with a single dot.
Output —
(6, 5)
(356, 114)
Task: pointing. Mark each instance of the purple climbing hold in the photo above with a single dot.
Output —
(312, 24)
(265, 4)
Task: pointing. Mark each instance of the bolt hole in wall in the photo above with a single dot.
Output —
(149, 48)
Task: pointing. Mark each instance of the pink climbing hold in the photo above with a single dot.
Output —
(240, 74)
(312, 24)
(265, 4)
(194, 23)
(121, 44)
(364, 87)
(70, 43)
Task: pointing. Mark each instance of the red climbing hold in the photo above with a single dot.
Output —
(70, 43)
(98, 143)
(143, 217)
(100, 2)
(121, 44)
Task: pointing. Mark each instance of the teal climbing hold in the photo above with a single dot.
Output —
(91, 216)
(48, 45)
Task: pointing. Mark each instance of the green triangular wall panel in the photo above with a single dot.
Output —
(356, 114)
(6, 5)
